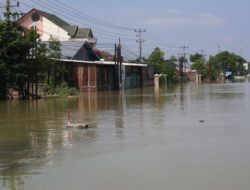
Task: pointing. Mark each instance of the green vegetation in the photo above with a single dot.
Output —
(224, 62)
(199, 64)
(25, 61)
(16, 57)
(209, 69)
(221, 63)
(162, 66)
(60, 90)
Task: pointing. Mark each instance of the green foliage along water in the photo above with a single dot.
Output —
(221, 63)
(26, 61)
(162, 66)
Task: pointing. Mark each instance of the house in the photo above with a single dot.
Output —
(86, 71)
(48, 25)
(88, 68)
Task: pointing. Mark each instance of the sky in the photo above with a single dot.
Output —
(204, 26)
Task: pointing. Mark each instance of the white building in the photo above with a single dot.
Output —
(49, 25)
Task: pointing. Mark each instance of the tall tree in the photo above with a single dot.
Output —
(226, 61)
(157, 60)
(55, 68)
(22, 57)
(196, 57)
(14, 50)
(201, 67)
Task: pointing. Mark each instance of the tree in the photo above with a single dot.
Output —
(22, 57)
(55, 69)
(201, 67)
(196, 57)
(169, 69)
(199, 64)
(157, 60)
(162, 66)
(226, 61)
(14, 50)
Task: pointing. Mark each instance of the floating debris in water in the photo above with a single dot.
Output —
(202, 121)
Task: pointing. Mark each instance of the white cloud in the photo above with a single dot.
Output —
(174, 18)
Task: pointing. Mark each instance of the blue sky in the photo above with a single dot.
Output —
(210, 25)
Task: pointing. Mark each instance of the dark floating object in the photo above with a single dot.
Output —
(202, 121)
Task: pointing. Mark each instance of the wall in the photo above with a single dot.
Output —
(86, 77)
(27, 22)
(45, 28)
(49, 28)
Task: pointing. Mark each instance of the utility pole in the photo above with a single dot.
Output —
(219, 49)
(8, 14)
(202, 52)
(119, 56)
(140, 41)
(183, 59)
(118, 62)
(241, 48)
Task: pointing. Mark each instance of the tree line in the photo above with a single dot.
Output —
(25, 61)
(221, 63)
(210, 69)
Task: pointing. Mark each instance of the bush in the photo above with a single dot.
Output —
(60, 90)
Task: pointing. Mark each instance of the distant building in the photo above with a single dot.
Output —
(48, 25)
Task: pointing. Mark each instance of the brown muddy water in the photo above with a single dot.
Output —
(182, 137)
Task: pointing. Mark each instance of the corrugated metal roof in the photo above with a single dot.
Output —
(70, 48)
(103, 63)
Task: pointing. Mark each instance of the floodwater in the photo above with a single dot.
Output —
(192, 137)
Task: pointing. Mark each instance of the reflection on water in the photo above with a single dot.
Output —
(34, 142)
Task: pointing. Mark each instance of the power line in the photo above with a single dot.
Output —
(78, 17)
(74, 18)
(100, 32)
(104, 22)
(162, 42)
(183, 59)
(8, 14)
(202, 52)
(140, 41)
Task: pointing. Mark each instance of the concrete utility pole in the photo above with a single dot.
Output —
(140, 41)
(8, 14)
(118, 62)
(202, 52)
(184, 60)
(219, 49)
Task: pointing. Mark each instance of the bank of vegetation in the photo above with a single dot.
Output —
(219, 65)
(211, 70)
(25, 61)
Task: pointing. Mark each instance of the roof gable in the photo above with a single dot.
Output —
(53, 18)
(86, 53)
(73, 31)
(78, 50)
